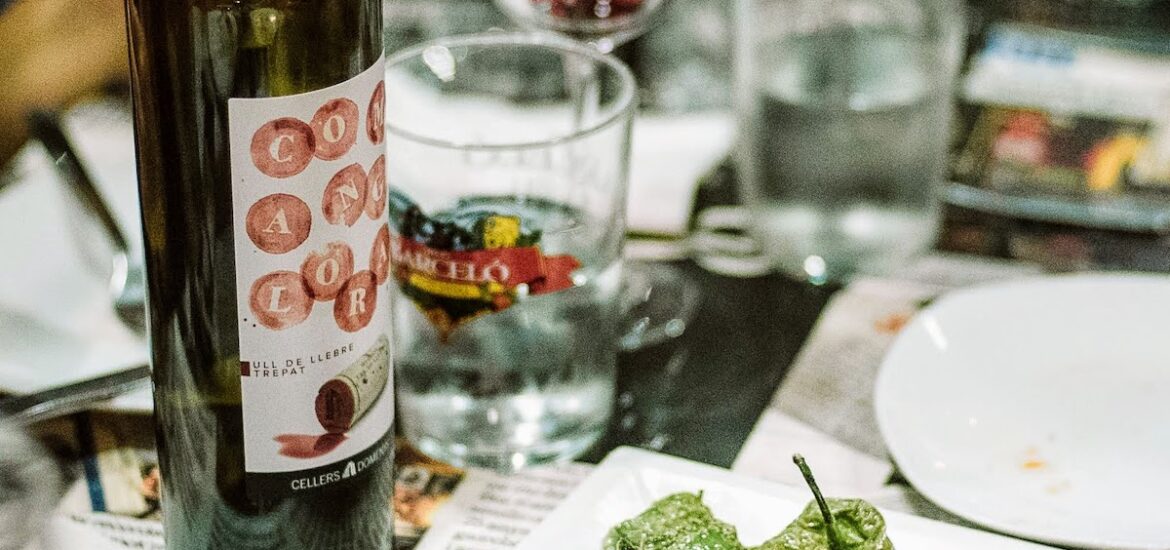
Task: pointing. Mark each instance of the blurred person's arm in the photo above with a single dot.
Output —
(52, 53)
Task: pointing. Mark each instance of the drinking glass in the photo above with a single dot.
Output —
(843, 112)
(605, 24)
(507, 205)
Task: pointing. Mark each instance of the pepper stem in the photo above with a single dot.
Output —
(805, 471)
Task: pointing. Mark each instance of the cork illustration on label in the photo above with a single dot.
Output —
(341, 402)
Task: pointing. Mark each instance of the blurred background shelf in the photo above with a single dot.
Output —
(1122, 213)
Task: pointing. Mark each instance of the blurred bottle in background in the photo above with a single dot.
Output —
(843, 112)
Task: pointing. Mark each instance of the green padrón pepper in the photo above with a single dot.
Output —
(677, 522)
(856, 524)
(682, 522)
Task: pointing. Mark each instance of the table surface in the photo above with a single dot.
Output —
(699, 396)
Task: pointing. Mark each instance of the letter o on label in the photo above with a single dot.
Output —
(279, 300)
(282, 148)
(326, 272)
(335, 127)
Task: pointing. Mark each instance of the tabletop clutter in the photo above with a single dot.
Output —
(342, 278)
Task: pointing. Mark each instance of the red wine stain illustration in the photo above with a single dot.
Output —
(309, 446)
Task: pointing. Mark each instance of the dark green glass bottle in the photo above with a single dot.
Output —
(204, 72)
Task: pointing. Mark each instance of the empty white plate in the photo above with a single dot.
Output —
(1040, 408)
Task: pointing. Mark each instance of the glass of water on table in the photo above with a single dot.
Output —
(507, 204)
(844, 108)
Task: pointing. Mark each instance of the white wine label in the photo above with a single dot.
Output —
(312, 261)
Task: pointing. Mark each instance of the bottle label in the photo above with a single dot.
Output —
(312, 262)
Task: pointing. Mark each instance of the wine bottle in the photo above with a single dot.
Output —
(259, 127)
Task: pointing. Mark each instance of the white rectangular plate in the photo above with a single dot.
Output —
(629, 480)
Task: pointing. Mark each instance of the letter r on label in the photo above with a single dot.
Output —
(357, 303)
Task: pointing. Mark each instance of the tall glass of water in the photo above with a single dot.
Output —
(507, 190)
(844, 108)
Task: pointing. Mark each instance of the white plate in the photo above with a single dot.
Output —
(630, 480)
(1040, 408)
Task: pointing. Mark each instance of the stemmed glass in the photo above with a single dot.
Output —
(606, 24)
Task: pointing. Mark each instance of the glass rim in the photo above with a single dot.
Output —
(625, 103)
(616, 25)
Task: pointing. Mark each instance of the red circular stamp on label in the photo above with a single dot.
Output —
(376, 196)
(376, 115)
(354, 306)
(279, 300)
(326, 272)
(380, 255)
(283, 147)
(279, 223)
(335, 127)
(345, 196)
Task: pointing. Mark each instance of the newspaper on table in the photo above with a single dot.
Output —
(491, 511)
(435, 506)
(488, 511)
(122, 531)
(824, 408)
